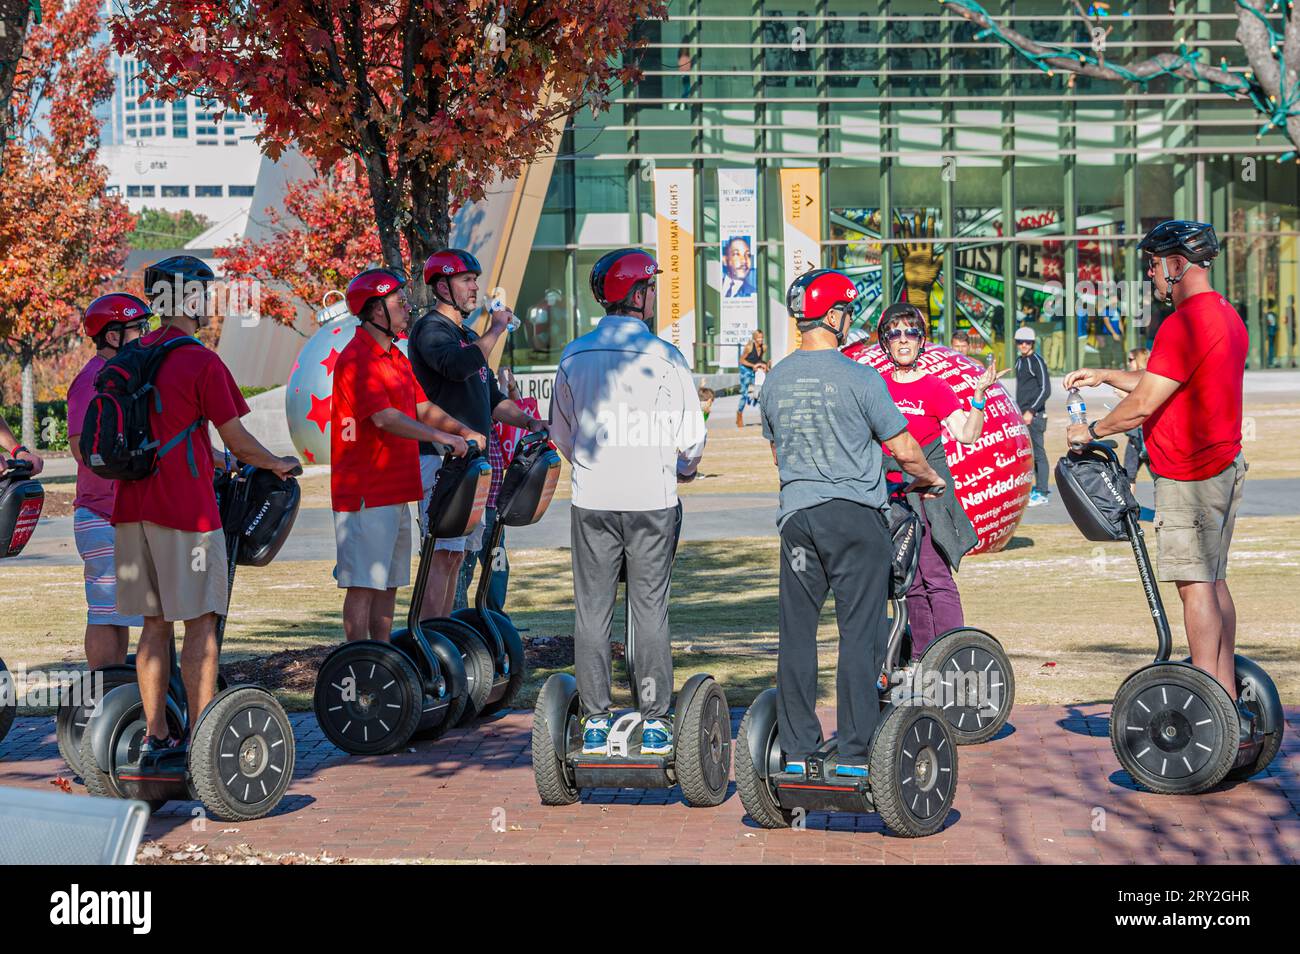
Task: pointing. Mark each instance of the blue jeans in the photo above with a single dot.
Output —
(746, 381)
(500, 577)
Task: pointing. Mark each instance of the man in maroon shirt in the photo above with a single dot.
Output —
(1188, 403)
(375, 426)
(170, 551)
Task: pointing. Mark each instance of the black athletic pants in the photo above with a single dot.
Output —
(841, 547)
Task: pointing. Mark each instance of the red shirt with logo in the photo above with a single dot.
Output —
(369, 466)
(1197, 432)
(193, 383)
(925, 404)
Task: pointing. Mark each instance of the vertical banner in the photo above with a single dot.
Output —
(801, 210)
(737, 230)
(675, 221)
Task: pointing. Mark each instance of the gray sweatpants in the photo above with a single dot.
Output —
(601, 540)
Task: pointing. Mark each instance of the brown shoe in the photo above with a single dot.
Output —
(740, 418)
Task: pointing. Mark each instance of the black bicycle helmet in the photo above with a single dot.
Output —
(1194, 241)
(161, 277)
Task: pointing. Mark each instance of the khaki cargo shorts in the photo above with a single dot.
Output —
(1194, 523)
(175, 574)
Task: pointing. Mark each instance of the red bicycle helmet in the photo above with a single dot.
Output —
(372, 283)
(616, 274)
(117, 308)
(448, 263)
(813, 294)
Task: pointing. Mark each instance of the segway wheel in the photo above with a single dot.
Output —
(555, 783)
(479, 672)
(123, 751)
(8, 701)
(368, 698)
(756, 793)
(1174, 729)
(703, 748)
(518, 667)
(242, 754)
(1257, 690)
(71, 719)
(431, 726)
(977, 685)
(913, 770)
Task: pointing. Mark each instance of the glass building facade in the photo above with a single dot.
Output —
(951, 171)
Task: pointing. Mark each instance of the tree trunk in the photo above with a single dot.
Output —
(14, 18)
(25, 358)
(430, 226)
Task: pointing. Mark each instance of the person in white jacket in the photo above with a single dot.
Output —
(626, 414)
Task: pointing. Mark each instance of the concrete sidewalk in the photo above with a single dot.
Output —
(1046, 790)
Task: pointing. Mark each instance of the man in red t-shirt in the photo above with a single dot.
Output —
(1188, 403)
(169, 546)
(110, 321)
(376, 425)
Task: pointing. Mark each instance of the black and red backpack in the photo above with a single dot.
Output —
(117, 440)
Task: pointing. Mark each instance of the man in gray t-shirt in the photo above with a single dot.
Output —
(826, 416)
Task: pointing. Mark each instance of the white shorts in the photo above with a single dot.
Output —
(374, 547)
(473, 541)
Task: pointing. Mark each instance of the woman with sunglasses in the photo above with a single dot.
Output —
(928, 403)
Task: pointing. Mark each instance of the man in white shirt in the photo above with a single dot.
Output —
(626, 414)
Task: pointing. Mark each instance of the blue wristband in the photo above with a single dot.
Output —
(977, 405)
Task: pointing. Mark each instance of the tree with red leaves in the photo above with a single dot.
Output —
(316, 246)
(61, 236)
(434, 99)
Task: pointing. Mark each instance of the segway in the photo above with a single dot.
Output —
(912, 770)
(1173, 727)
(239, 756)
(21, 501)
(373, 697)
(492, 649)
(700, 761)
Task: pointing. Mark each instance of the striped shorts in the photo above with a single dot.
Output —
(94, 536)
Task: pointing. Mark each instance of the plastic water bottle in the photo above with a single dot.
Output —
(1074, 405)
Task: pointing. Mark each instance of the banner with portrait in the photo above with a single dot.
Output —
(737, 230)
(675, 229)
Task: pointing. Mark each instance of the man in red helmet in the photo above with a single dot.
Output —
(626, 413)
(826, 416)
(376, 421)
(451, 363)
(110, 321)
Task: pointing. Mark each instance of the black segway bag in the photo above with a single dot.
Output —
(529, 482)
(21, 501)
(459, 497)
(259, 516)
(905, 537)
(1095, 491)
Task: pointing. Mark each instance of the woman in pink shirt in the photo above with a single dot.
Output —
(929, 404)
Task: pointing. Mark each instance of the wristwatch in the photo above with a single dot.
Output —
(1092, 429)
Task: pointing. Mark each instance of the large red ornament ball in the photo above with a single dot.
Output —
(995, 474)
(310, 390)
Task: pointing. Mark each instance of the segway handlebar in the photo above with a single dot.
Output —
(17, 469)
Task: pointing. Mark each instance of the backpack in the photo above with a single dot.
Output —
(117, 440)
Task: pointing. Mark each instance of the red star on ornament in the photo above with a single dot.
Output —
(330, 360)
(320, 411)
(311, 458)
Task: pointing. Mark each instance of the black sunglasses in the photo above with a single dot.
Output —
(893, 334)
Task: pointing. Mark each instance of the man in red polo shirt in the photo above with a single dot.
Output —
(1188, 402)
(169, 547)
(376, 424)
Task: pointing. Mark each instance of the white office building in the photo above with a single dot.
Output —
(177, 155)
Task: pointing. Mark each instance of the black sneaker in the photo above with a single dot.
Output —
(163, 757)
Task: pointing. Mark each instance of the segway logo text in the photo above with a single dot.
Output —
(75, 907)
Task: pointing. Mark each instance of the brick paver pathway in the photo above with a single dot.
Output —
(1048, 789)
